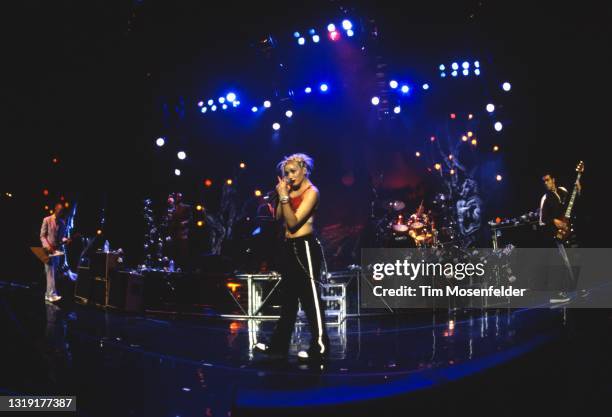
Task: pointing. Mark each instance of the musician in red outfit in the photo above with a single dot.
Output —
(301, 260)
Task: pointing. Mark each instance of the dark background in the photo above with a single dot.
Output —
(94, 83)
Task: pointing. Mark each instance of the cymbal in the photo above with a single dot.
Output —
(397, 205)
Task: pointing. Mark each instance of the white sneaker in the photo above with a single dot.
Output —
(54, 298)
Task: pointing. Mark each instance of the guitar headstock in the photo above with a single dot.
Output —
(580, 167)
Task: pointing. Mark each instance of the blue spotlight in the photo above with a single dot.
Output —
(454, 73)
(323, 87)
(160, 142)
(466, 72)
(221, 100)
(331, 27)
(506, 86)
(200, 103)
(346, 24)
(235, 103)
(204, 109)
(254, 109)
(375, 100)
(405, 89)
(393, 84)
(465, 65)
(210, 102)
(308, 90)
(230, 97)
(301, 41)
(312, 31)
(477, 71)
(455, 66)
(181, 155)
(213, 107)
(442, 67)
(350, 33)
(397, 109)
(498, 126)
(316, 38)
(477, 64)
(442, 74)
(224, 106)
(267, 104)
(296, 34)
(276, 126)
(425, 86)
(490, 108)
(289, 114)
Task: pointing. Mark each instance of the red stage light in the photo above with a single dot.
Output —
(207, 183)
(334, 35)
(453, 115)
(45, 192)
(498, 220)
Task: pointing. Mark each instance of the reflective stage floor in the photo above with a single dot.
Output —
(478, 362)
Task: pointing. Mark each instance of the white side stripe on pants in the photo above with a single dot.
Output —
(316, 299)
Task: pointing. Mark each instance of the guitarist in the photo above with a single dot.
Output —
(52, 237)
(552, 210)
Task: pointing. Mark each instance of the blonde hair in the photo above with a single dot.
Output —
(303, 161)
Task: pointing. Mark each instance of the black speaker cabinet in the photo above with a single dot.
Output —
(84, 285)
(126, 291)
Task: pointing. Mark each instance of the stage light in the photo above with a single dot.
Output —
(236, 103)
(470, 134)
(375, 100)
(346, 24)
(506, 86)
(466, 72)
(301, 41)
(498, 126)
(55, 160)
(452, 172)
(199, 207)
(470, 116)
(276, 126)
(181, 155)
(477, 71)
(213, 107)
(474, 142)
(316, 38)
(160, 142)
(61, 198)
(425, 86)
(397, 109)
(490, 108)
(393, 84)
(207, 182)
(443, 74)
(46, 207)
(495, 148)
(454, 73)
(450, 157)
(405, 89)
(200, 103)
(257, 193)
(477, 64)
(204, 109)
(296, 34)
(242, 165)
(177, 172)
(210, 102)
(437, 167)
(289, 114)
(230, 97)
(308, 90)
(334, 36)
(464, 138)
(331, 27)
(455, 66)
(418, 154)
(221, 100)
(200, 223)
(312, 31)
(229, 181)
(45, 192)
(453, 115)
(224, 107)
(98, 232)
(432, 139)
(323, 87)
(254, 109)
(498, 177)
(442, 67)
(267, 104)
(350, 33)
(465, 65)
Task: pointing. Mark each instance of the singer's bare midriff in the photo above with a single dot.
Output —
(302, 231)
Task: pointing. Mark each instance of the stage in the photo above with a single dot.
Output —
(122, 364)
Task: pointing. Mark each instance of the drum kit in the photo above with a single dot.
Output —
(417, 229)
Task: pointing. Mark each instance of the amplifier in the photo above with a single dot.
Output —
(126, 291)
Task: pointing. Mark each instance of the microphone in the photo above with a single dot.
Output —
(272, 194)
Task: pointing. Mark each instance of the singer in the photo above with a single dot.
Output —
(298, 200)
